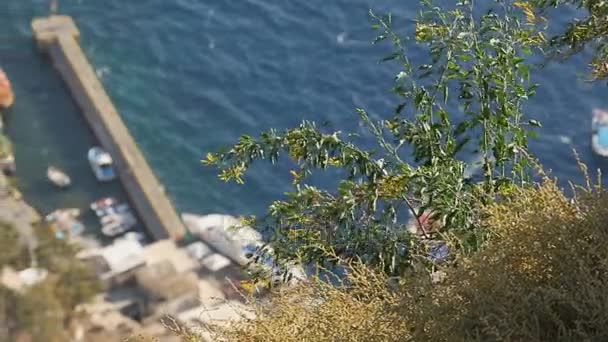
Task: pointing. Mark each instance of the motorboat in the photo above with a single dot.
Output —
(103, 203)
(62, 213)
(238, 242)
(115, 218)
(107, 206)
(226, 234)
(65, 223)
(58, 177)
(116, 224)
(7, 97)
(599, 134)
(102, 165)
(122, 208)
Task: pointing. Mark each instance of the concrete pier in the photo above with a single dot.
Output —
(58, 36)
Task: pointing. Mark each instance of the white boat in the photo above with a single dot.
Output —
(103, 203)
(109, 205)
(101, 163)
(231, 238)
(599, 134)
(58, 177)
(122, 208)
(116, 224)
(226, 234)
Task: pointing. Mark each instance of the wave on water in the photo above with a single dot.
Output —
(102, 71)
(565, 139)
(341, 38)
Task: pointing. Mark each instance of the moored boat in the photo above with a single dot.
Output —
(58, 177)
(238, 242)
(115, 218)
(101, 205)
(65, 223)
(102, 164)
(116, 224)
(62, 213)
(108, 206)
(226, 234)
(599, 134)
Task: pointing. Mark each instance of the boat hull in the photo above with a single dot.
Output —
(58, 177)
(101, 164)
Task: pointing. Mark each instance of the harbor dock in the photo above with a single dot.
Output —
(58, 37)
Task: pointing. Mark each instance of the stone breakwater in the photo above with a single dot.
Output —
(58, 37)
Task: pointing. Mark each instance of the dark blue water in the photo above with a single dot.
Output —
(190, 76)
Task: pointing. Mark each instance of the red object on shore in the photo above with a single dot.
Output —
(423, 225)
(7, 98)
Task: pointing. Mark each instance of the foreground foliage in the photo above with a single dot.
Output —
(42, 312)
(539, 277)
(466, 98)
(525, 263)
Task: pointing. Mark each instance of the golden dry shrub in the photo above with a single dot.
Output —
(541, 276)
(317, 311)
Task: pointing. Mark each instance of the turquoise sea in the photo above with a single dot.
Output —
(190, 76)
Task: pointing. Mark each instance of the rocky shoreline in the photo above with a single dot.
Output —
(16, 211)
(13, 208)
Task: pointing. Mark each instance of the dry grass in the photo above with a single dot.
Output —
(316, 311)
(542, 276)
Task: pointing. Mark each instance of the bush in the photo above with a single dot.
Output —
(541, 276)
(39, 314)
(6, 148)
(318, 311)
(10, 248)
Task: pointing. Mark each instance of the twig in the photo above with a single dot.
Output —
(409, 204)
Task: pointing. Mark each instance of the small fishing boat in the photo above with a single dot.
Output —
(228, 236)
(115, 218)
(599, 134)
(122, 208)
(109, 205)
(62, 213)
(103, 204)
(65, 223)
(101, 163)
(116, 224)
(58, 177)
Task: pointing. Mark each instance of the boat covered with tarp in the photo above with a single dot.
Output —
(58, 177)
